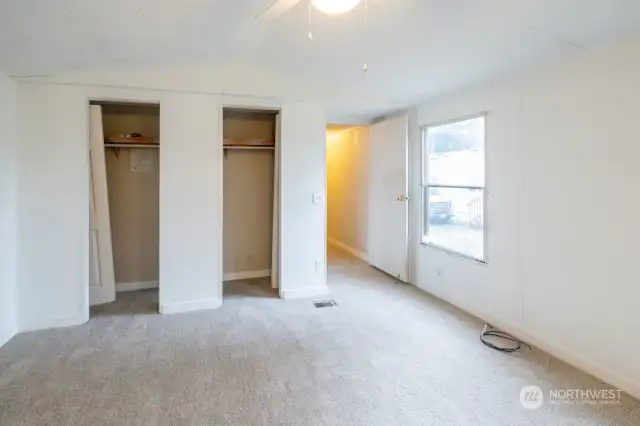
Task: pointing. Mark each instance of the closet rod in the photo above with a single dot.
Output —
(129, 145)
(256, 148)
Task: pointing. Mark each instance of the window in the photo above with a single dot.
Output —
(453, 186)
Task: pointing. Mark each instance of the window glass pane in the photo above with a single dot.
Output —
(425, 217)
(456, 153)
(455, 220)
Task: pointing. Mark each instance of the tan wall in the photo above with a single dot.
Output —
(133, 199)
(347, 186)
(118, 119)
(248, 210)
(248, 195)
(244, 125)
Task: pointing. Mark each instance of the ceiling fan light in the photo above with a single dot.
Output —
(335, 7)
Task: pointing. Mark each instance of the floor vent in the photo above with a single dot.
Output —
(325, 304)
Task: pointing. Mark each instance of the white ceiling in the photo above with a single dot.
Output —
(416, 49)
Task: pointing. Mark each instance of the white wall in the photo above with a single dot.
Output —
(190, 203)
(302, 223)
(53, 224)
(53, 206)
(563, 148)
(247, 84)
(8, 209)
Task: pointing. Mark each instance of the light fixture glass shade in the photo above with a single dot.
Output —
(335, 7)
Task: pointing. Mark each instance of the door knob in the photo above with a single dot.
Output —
(402, 198)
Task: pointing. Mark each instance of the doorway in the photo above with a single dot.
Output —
(367, 202)
(347, 192)
(125, 169)
(249, 202)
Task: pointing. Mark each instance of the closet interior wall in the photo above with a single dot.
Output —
(248, 195)
(133, 185)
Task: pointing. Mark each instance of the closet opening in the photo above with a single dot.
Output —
(125, 172)
(250, 202)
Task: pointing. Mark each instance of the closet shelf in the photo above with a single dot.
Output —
(250, 147)
(131, 145)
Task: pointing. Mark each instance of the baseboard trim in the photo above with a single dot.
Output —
(581, 363)
(190, 306)
(246, 275)
(348, 249)
(586, 365)
(136, 285)
(57, 322)
(304, 292)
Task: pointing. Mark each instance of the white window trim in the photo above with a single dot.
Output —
(424, 224)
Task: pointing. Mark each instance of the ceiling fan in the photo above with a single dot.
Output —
(329, 7)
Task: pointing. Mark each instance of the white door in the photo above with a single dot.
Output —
(102, 285)
(388, 200)
(275, 246)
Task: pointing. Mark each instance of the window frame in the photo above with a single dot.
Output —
(425, 241)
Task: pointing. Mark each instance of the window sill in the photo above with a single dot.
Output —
(454, 253)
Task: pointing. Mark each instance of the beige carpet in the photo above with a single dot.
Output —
(387, 355)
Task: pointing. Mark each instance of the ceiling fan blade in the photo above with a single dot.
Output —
(279, 8)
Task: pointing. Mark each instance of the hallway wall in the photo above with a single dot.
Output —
(348, 188)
